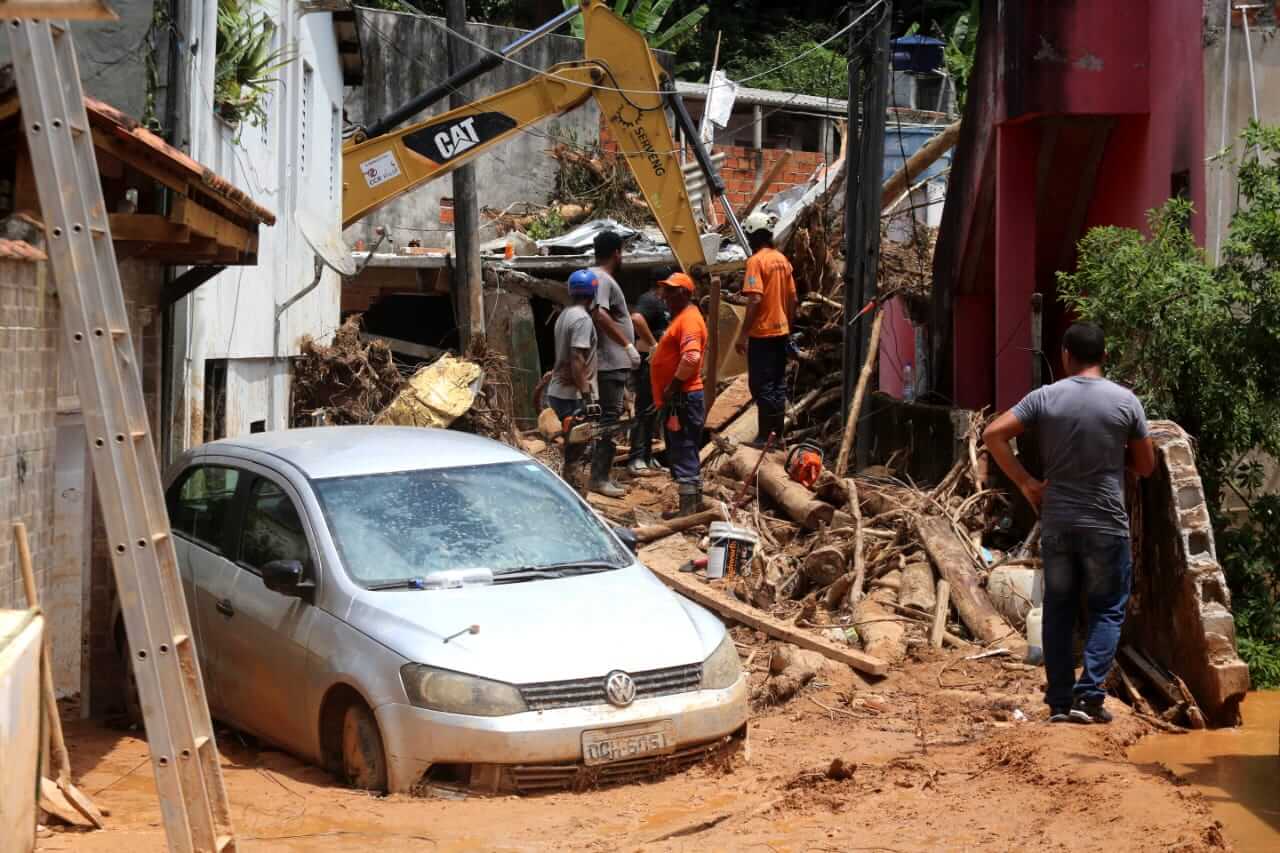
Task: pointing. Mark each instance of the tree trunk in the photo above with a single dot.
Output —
(798, 502)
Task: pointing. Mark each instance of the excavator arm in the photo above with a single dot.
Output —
(627, 83)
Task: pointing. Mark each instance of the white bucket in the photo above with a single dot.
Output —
(731, 550)
(1035, 636)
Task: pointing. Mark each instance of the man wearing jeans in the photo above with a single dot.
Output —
(1090, 430)
(618, 356)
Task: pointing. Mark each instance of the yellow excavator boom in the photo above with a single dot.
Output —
(622, 75)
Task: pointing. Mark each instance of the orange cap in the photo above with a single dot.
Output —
(678, 279)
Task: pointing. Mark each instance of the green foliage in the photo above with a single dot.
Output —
(647, 17)
(1197, 343)
(547, 225)
(245, 64)
(822, 71)
(961, 50)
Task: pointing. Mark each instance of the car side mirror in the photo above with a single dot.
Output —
(285, 577)
(628, 537)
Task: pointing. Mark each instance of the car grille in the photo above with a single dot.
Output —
(590, 691)
(541, 778)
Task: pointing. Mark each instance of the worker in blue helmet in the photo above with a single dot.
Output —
(573, 380)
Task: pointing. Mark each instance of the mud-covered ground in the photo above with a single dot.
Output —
(939, 761)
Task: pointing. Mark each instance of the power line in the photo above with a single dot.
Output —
(543, 73)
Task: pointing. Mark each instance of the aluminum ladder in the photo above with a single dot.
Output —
(184, 756)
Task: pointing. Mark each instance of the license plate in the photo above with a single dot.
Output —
(603, 746)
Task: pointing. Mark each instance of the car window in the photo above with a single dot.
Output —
(200, 505)
(272, 528)
(409, 524)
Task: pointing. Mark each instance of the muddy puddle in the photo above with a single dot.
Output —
(1237, 771)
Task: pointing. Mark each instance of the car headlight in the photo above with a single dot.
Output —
(457, 693)
(722, 669)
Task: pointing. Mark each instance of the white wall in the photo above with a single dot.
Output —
(291, 166)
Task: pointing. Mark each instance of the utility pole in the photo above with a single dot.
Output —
(869, 59)
(468, 288)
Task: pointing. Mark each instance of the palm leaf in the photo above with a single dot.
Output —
(656, 13)
(620, 7)
(680, 29)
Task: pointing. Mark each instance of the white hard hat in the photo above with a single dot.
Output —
(759, 220)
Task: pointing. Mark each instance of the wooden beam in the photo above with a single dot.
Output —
(187, 282)
(146, 228)
(404, 347)
(204, 221)
(767, 182)
(659, 562)
(118, 149)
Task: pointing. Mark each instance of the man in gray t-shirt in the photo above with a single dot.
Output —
(1090, 430)
(618, 355)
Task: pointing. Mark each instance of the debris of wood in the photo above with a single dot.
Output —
(941, 606)
(798, 502)
(715, 598)
(655, 532)
(347, 381)
(882, 634)
(951, 555)
(917, 589)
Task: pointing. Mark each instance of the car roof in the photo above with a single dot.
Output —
(346, 451)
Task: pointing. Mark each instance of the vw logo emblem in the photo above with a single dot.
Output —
(619, 689)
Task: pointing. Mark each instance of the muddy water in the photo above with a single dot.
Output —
(1237, 770)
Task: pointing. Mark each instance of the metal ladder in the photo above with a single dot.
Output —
(193, 801)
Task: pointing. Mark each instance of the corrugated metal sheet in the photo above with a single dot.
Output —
(770, 98)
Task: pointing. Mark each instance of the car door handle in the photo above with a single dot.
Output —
(224, 607)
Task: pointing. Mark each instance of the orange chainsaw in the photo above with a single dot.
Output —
(804, 463)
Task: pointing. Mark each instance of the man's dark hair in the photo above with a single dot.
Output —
(1086, 343)
(606, 243)
(757, 240)
(661, 273)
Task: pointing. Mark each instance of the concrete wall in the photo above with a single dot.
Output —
(405, 55)
(1220, 183)
(292, 166)
(112, 55)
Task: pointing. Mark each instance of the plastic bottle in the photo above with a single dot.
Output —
(908, 383)
(1035, 636)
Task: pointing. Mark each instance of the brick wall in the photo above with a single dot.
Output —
(28, 409)
(740, 166)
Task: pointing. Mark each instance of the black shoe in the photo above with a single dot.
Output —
(1059, 715)
(1089, 712)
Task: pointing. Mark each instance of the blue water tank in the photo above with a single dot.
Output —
(917, 53)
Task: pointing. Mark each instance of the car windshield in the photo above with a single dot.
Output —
(505, 517)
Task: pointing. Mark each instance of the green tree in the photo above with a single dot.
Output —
(647, 16)
(1197, 343)
(821, 71)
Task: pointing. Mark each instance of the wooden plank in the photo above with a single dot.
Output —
(404, 347)
(1166, 688)
(729, 404)
(204, 221)
(146, 228)
(941, 604)
(713, 596)
(107, 142)
(768, 181)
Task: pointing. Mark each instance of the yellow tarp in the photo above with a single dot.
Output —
(436, 395)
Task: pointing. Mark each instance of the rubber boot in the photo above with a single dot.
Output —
(601, 462)
(690, 498)
(770, 423)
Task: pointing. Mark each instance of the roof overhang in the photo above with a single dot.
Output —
(206, 220)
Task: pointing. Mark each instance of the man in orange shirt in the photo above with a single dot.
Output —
(675, 371)
(771, 292)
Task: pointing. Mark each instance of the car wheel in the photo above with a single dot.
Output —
(364, 762)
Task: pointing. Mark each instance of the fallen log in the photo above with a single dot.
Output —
(654, 532)
(859, 558)
(663, 564)
(798, 502)
(917, 587)
(952, 559)
(825, 565)
(882, 635)
(855, 408)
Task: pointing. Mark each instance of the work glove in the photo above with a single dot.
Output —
(633, 354)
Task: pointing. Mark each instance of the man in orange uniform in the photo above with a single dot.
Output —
(771, 290)
(675, 371)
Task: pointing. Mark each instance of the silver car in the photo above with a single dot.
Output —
(418, 607)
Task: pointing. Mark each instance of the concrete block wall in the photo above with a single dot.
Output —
(1180, 613)
(28, 410)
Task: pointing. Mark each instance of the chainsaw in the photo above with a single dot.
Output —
(804, 463)
(585, 428)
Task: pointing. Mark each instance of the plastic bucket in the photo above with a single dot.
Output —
(731, 550)
(1035, 636)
